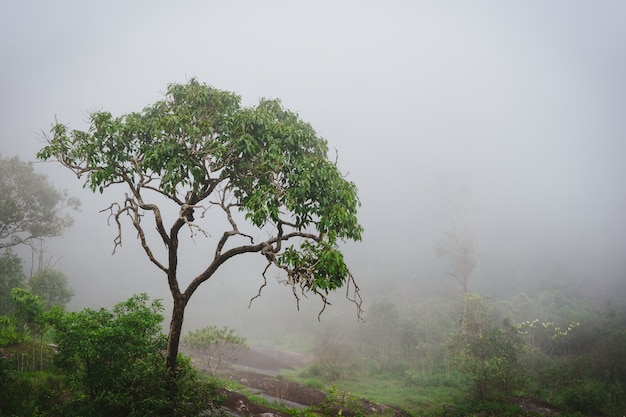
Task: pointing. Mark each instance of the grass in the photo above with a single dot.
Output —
(419, 395)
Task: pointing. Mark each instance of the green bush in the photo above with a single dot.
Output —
(315, 384)
(587, 396)
(32, 394)
(490, 364)
(115, 363)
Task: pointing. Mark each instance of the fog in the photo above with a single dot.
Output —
(511, 113)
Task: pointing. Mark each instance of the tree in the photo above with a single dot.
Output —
(460, 246)
(215, 345)
(51, 285)
(381, 332)
(11, 276)
(197, 149)
(29, 310)
(30, 208)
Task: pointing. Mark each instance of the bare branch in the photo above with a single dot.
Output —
(132, 210)
(269, 264)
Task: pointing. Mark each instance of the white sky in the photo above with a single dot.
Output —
(520, 103)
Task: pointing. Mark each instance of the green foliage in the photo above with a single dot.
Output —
(32, 394)
(30, 208)
(51, 285)
(217, 346)
(96, 346)
(11, 276)
(198, 138)
(115, 363)
(588, 396)
(490, 363)
(28, 311)
(268, 157)
(489, 356)
(9, 333)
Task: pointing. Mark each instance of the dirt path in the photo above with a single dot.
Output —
(258, 370)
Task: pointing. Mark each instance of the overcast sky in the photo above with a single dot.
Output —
(515, 110)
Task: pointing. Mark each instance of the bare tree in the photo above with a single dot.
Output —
(460, 246)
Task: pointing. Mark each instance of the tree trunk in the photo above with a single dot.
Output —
(464, 317)
(176, 327)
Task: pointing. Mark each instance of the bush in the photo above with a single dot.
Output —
(315, 384)
(586, 396)
(32, 394)
(217, 346)
(490, 363)
(115, 362)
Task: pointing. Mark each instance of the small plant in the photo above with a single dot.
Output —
(217, 346)
(314, 383)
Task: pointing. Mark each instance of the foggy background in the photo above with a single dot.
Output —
(512, 113)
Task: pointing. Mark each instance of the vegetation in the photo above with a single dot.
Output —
(30, 208)
(51, 285)
(571, 357)
(198, 149)
(107, 363)
(217, 346)
(111, 362)
(263, 168)
(11, 276)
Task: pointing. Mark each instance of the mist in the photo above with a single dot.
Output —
(509, 113)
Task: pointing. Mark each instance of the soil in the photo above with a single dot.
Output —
(258, 369)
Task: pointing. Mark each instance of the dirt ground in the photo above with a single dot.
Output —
(258, 370)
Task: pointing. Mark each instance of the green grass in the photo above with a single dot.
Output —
(419, 395)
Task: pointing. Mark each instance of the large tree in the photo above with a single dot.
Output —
(30, 207)
(256, 167)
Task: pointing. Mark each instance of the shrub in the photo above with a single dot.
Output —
(587, 396)
(115, 362)
(217, 346)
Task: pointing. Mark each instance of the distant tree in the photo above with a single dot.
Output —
(51, 285)
(334, 354)
(30, 207)
(217, 346)
(382, 332)
(460, 246)
(11, 276)
(198, 149)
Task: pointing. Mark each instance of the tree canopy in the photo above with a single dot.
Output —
(30, 208)
(200, 149)
(51, 285)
